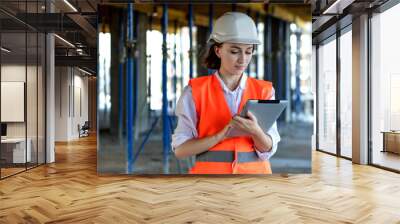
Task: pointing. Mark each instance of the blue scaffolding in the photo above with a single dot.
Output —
(129, 89)
(165, 119)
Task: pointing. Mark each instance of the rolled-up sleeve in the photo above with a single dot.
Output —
(274, 134)
(187, 119)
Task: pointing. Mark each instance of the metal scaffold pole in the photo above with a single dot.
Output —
(129, 90)
(268, 49)
(134, 54)
(279, 57)
(190, 41)
(122, 56)
(165, 119)
(210, 26)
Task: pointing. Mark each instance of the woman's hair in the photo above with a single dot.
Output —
(211, 60)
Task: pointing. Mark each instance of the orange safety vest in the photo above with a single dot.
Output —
(235, 155)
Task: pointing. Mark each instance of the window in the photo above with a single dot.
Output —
(327, 96)
(385, 84)
(346, 94)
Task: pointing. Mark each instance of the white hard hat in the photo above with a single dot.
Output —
(234, 27)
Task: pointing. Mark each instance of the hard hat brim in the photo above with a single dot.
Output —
(236, 41)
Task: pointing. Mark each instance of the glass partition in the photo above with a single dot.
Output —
(13, 105)
(385, 84)
(346, 94)
(327, 96)
(22, 88)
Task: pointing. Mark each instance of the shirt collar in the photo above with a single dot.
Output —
(241, 85)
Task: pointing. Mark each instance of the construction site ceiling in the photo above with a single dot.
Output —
(296, 13)
(208, 1)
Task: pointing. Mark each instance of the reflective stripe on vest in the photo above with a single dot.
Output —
(227, 156)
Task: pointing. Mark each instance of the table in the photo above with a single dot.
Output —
(16, 147)
(391, 141)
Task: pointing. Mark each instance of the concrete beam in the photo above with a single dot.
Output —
(79, 20)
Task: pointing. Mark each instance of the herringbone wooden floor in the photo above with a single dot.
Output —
(70, 191)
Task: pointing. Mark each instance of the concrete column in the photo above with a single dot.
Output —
(50, 92)
(50, 99)
(142, 123)
(360, 90)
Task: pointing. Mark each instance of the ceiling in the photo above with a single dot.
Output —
(76, 22)
(328, 16)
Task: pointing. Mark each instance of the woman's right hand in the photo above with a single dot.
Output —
(199, 145)
(221, 135)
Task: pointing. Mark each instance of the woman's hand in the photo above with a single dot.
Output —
(222, 134)
(262, 141)
(249, 125)
(199, 145)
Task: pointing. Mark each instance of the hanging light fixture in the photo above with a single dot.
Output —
(5, 50)
(70, 5)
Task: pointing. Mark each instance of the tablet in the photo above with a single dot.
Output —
(266, 112)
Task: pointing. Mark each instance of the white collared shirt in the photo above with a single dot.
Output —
(187, 117)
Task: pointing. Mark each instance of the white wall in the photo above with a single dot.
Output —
(61, 103)
(71, 87)
(79, 117)
(13, 73)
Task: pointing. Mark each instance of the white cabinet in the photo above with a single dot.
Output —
(18, 149)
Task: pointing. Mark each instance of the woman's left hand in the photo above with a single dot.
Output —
(248, 125)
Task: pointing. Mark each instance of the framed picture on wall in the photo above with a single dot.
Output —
(12, 101)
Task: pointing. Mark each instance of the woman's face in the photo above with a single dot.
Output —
(234, 57)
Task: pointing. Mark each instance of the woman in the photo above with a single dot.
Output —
(208, 106)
